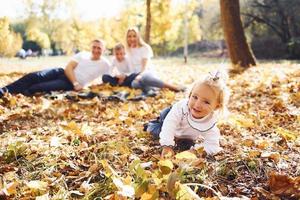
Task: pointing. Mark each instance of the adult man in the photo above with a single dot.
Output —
(83, 68)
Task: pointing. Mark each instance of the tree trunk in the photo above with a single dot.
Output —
(238, 48)
(148, 22)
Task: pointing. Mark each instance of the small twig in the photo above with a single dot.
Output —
(249, 170)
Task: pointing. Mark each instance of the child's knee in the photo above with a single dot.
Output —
(106, 78)
(154, 129)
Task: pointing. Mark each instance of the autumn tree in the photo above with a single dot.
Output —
(167, 27)
(10, 42)
(36, 35)
(239, 50)
(148, 22)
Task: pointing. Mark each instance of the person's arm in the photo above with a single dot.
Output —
(143, 68)
(69, 72)
(146, 56)
(169, 127)
(167, 152)
(211, 142)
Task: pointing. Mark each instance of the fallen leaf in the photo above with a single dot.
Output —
(283, 185)
(286, 134)
(165, 166)
(186, 155)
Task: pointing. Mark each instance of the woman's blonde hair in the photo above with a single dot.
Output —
(217, 82)
(141, 42)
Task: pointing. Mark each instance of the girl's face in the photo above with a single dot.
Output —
(202, 101)
(132, 39)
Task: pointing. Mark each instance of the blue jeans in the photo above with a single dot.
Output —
(154, 128)
(114, 80)
(147, 82)
(41, 81)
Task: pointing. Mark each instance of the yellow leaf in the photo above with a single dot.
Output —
(248, 143)
(186, 155)
(242, 121)
(151, 194)
(254, 154)
(108, 169)
(12, 101)
(11, 188)
(275, 156)
(127, 180)
(72, 126)
(286, 134)
(263, 145)
(186, 193)
(165, 166)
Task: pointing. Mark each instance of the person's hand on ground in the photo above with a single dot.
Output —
(167, 152)
(77, 86)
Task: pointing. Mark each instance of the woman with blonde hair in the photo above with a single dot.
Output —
(140, 54)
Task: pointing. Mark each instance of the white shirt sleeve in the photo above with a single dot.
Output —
(113, 67)
(170, 124)
(109, 68)
(211, 142)
(77, 57)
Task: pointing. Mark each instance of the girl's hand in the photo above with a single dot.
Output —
(167, 152)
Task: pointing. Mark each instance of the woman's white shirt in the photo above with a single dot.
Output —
(136, 56)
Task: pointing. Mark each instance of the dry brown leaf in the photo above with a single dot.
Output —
(283, 185)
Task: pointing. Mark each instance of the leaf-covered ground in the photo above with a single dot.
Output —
(97, 149)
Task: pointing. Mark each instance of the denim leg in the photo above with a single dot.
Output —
(147, 81)
(150, 80)
(139, 84)
(61, 83)
(50, 74)
(128, 80)
(24, 83)
(154, 126)
(109, 79)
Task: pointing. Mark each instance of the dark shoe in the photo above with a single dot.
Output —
(87, 95)
(149, 93)
(119, 96)
(72, 97)
(3, 91)
(138, 98)
(181, 89)
(145, 126)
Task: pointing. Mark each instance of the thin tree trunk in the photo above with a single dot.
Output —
(238, 48)
(148, 22)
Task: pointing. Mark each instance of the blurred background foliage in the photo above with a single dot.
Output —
(272, 27)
